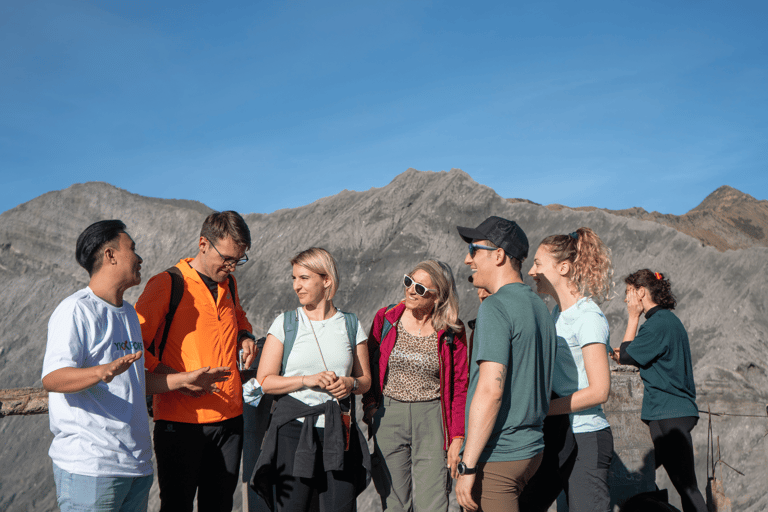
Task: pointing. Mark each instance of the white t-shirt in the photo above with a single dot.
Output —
(102, 430)
(305, 359)
(578, 326)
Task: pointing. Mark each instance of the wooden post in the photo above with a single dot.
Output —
(23, 402)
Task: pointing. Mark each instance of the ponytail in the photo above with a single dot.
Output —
(590, 259)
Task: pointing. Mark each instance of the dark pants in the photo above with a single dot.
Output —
(202, 458)
(673, 449)
(558, 458)
(575, 463)
(587, 486)
(328, 491)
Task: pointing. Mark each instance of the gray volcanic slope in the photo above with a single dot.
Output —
(376, 236)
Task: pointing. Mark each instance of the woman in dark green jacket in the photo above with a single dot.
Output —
(662, 352)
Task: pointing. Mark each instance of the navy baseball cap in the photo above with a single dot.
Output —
(503, 233)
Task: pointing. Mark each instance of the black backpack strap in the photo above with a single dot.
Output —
(450, 339)
(177, 290)
(232, 289)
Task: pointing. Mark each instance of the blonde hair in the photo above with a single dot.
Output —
(320, 261)
(446, 312)
(590, 258)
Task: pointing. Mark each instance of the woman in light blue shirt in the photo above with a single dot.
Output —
(576, 271)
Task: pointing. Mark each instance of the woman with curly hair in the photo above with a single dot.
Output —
(662, 352)
(417, 399)
(576, 271)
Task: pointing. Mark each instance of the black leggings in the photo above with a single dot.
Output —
(673, 449)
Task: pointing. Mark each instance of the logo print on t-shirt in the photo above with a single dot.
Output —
(127, 345)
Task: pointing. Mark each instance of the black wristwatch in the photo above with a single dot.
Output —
(464, 470)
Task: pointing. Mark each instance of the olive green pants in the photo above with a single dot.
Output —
(410, 470)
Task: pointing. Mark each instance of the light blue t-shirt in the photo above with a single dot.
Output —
(578, 326)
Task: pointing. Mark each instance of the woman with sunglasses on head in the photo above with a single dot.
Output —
(416, 403)
(576, 270)
(314, 359)
(662, 352)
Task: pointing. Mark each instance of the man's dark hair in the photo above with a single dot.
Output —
(515, 263)
(230, 224)
(91, 241)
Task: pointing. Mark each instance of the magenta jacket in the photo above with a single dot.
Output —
(454, 371)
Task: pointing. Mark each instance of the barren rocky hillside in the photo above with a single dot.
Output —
(726, 219)
(376, 236)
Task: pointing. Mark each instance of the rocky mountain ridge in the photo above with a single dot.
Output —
(726, 219)
(376, 236)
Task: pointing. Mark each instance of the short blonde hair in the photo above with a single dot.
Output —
(320, 261)
(446, 312)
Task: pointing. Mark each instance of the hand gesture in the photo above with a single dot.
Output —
(341, 388)
(203, 380)
(250, 351)
(320, 380)
(634, 304)
(109, 371)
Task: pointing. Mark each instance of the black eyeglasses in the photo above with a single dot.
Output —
(417, 287)
(229, 261)
(474, 247)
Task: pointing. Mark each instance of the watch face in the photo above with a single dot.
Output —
(461, 467)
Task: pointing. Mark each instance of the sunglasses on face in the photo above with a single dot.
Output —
(474, 247)
(417, 287)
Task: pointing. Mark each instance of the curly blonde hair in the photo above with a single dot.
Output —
(590, 258)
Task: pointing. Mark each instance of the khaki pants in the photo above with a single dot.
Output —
(411, 473)
(499, 484)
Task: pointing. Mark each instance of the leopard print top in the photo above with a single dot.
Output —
(414, 368)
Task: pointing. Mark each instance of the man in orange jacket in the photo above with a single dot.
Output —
(198, 438)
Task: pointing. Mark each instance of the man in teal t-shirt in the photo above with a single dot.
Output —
(510, 375)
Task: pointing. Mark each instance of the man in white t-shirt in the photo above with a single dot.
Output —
(101, 451)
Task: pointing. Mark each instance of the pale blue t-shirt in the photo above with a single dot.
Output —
(101, 431)
(578, 326)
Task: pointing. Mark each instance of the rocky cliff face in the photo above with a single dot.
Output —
(376, 236)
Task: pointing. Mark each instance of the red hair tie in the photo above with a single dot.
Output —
(658, 276)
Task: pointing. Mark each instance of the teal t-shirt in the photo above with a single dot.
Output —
(514, 328)
(661, 349)
(578, 326)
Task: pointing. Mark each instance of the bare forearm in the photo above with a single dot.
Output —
(72, 380)
(482, 417)
(363, 384)
(579, 401)
(164, 382)
(631, 331)
(279, 385)
(484, 409)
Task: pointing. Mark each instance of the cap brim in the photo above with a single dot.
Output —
(469, 234)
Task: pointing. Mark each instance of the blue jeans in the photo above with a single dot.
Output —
(101, 493)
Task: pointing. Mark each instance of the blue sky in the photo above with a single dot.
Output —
(257, 106)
